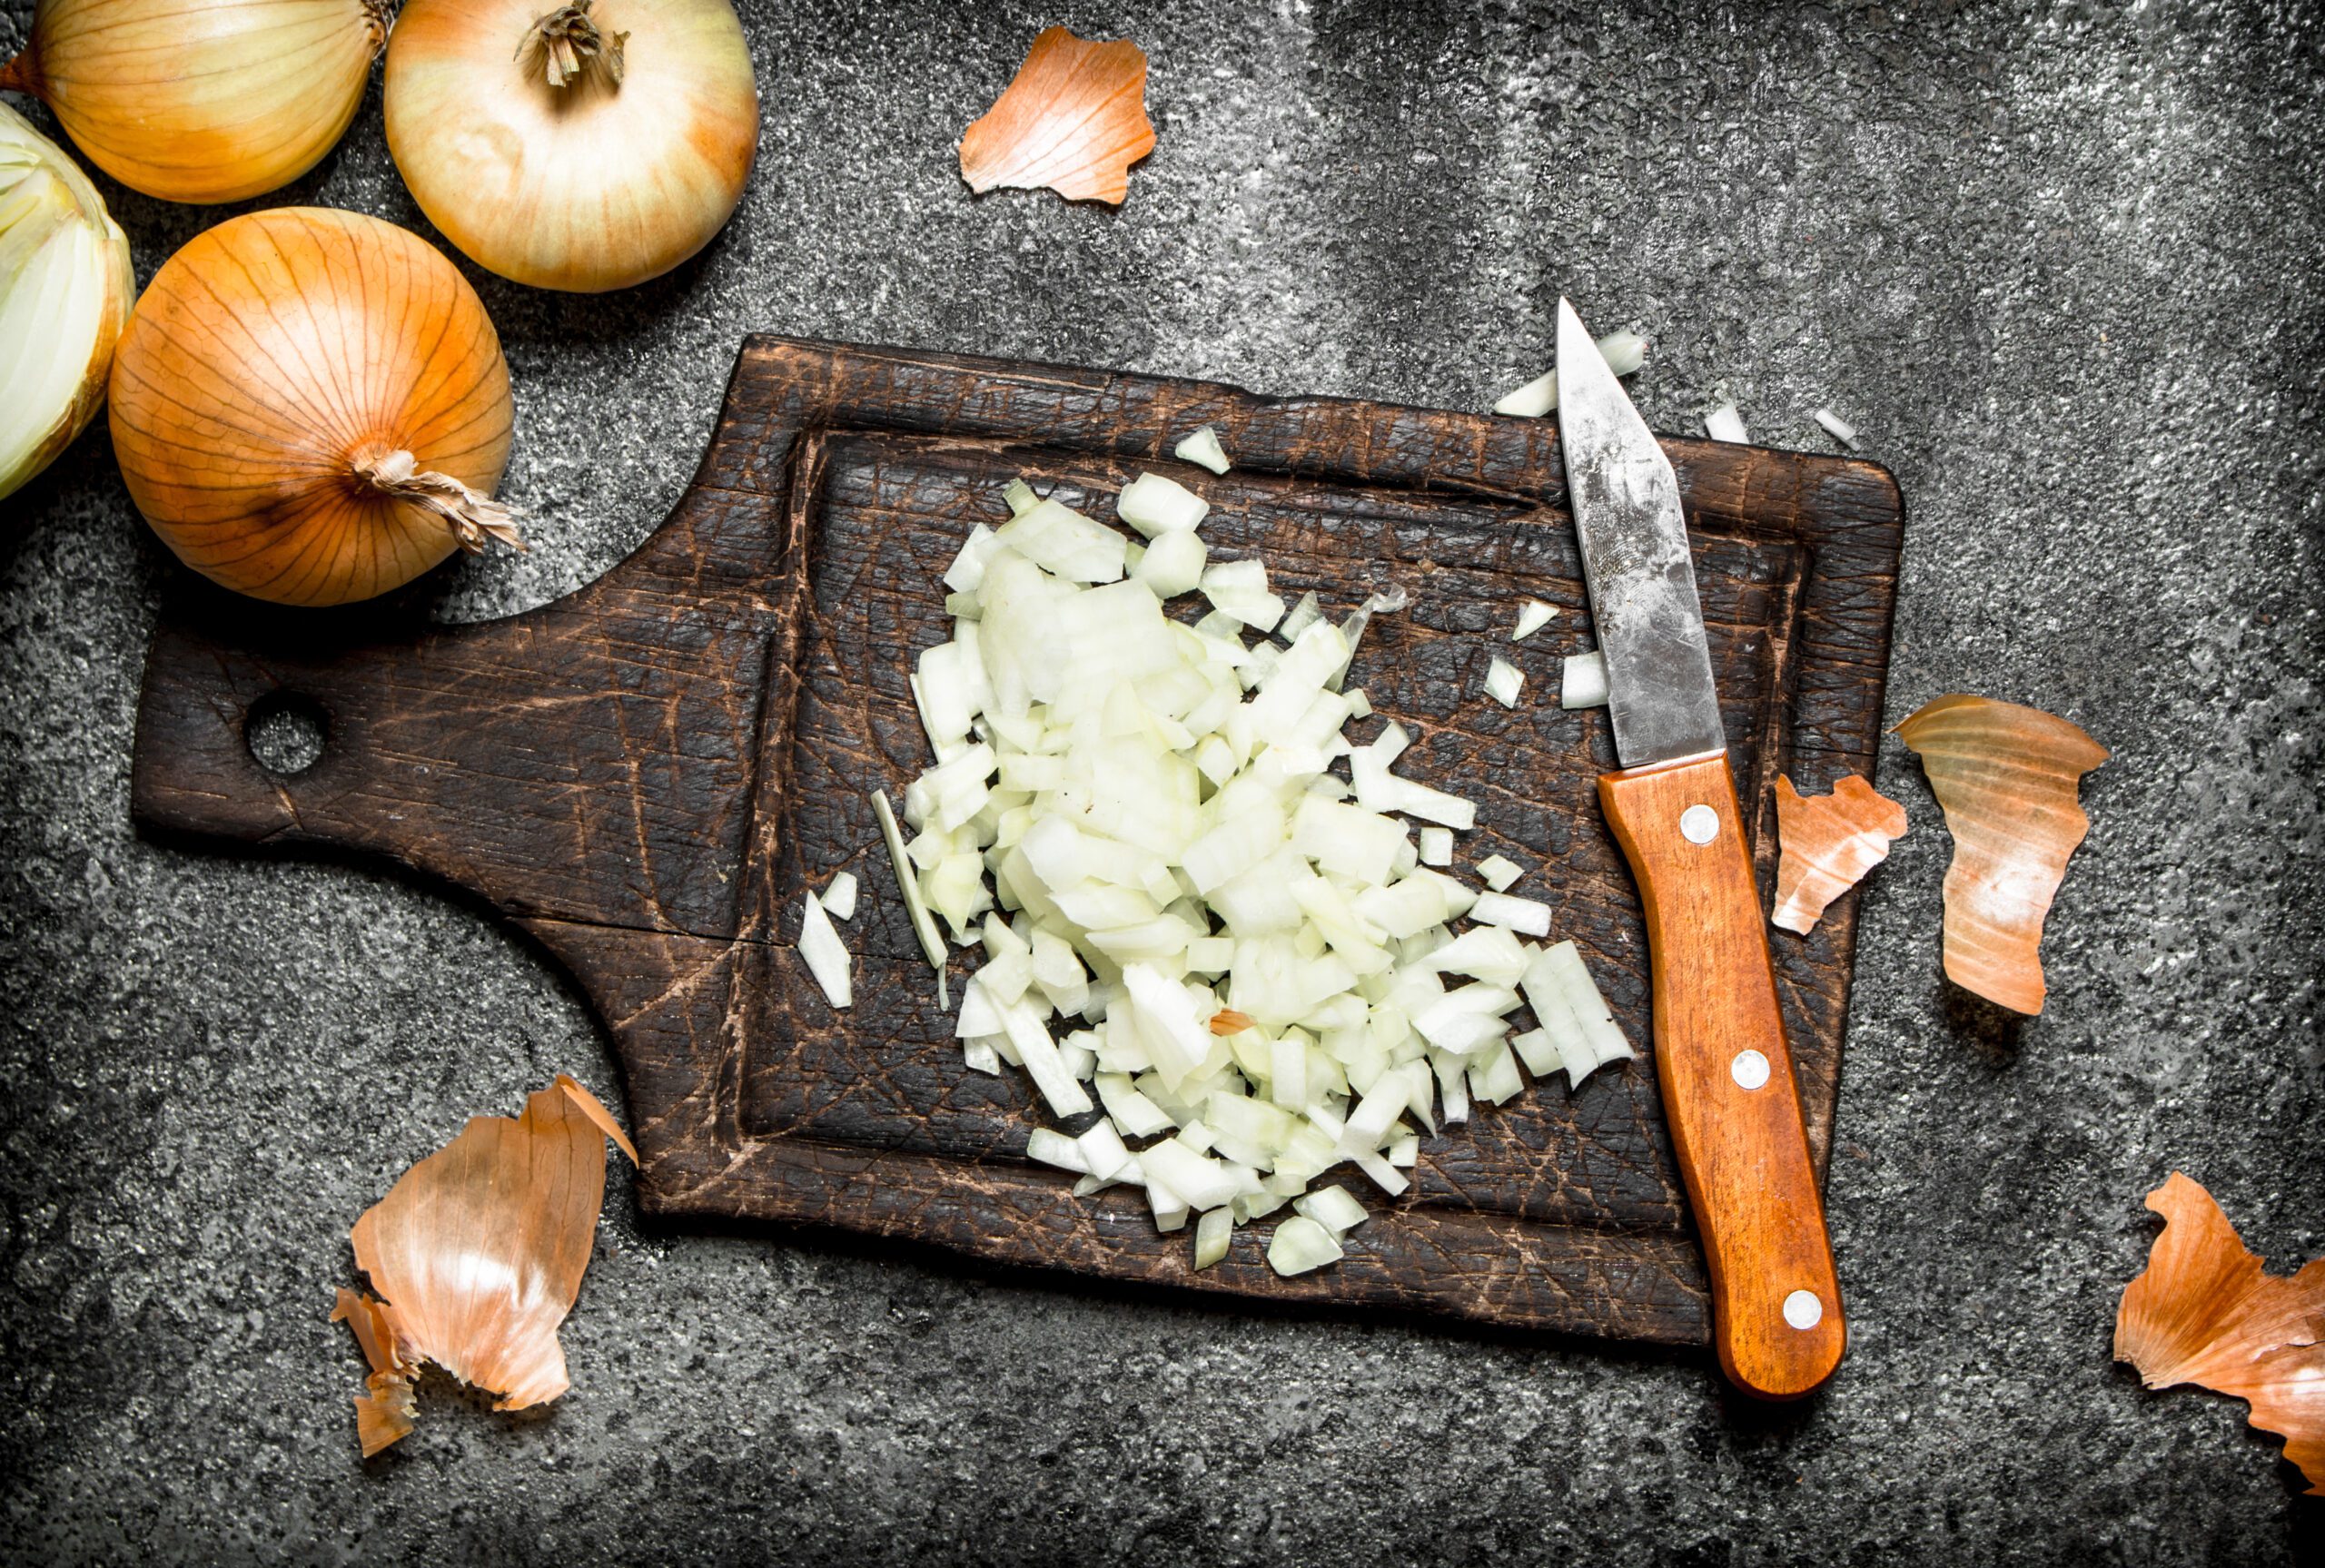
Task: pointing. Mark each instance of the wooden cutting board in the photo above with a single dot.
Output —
(642, 777)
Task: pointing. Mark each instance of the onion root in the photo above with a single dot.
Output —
(571, 44)
(472, 516)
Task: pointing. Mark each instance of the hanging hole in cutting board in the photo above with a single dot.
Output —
(285, 733)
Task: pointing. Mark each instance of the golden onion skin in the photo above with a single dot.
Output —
(585, 187)
(272, 356)
(203, 100)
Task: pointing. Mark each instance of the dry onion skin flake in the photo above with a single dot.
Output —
(580, 146)
(1827, 843)
(311, 407)
(1074, 119)
(477, 1255)
(66, 289)
(2006, 777)
(1191, 922)
(2206, 1311)
(215, 102)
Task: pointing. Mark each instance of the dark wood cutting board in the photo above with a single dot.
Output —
(642, 777)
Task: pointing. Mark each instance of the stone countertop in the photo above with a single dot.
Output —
(2059, 265)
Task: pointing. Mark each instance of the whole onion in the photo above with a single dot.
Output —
(202, 100)
(587, 149)
(311, 407)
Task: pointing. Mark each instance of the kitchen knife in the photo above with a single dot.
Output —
(1719, 1044)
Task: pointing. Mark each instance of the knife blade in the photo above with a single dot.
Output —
(1721, 1054)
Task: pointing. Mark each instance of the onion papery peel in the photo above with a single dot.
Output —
(2006, 777)
(478, 1253)
(2204, 1311)
(1828, 844)
(1074, 118)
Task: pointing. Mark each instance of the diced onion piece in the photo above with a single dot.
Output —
(1332, 1208)
(1020, 497)
(1503, 680)
(825, 955)
(1054, 1148)
(1057, 539)
(1522, 915)
(1131, 1111)
(1532, 617)
(966, 574)
(1102, 1151)
(1583, 684)
(1726, 424)
(1623, 352)
(924, 924)
(1496, 1080)
(1203, 448)
(1608, 1042)
(1155, 505)
(1217, 1226)
(1198, 1181)
(1390, 602)
(839, 896)
(1499, 873)
(1173, 563)
(1840, 429)
(1240, 589)
(1300, 1245)
(1562, 994)
(1489, 952)
(1437, 847)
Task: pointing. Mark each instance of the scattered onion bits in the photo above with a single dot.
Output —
(311, 407)
(215, 101)
(587, 149)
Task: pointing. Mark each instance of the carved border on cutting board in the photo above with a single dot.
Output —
(1515, 1272)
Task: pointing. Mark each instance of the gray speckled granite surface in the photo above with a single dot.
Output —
(2061, 265)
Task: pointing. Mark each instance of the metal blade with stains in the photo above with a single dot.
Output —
(1721, 1054)
(1625, 502)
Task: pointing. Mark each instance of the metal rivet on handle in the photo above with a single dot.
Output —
(1750, 1068)
(1700, 825)
(1803, 1310)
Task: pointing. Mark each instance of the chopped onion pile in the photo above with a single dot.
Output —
(1191, 925)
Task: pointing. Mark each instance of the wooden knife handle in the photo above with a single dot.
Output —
(1726, 1077)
